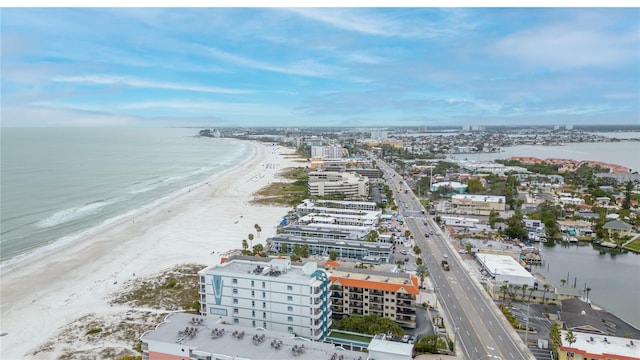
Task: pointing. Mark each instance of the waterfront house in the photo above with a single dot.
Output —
(618, 227)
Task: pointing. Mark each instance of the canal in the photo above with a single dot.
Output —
(613, 276)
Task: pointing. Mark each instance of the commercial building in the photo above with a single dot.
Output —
(477, 204)
(368, 292)
(597, 347)
(349, 185)
(268, 293)
(371, 252)
(184, 337)
(381, 348)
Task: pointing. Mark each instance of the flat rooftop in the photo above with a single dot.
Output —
(503, 265)
(249, 265)
(613, 346)
(244, 347)
(479, 198)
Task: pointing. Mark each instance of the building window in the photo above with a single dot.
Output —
(253, 323)
(234, 281)
(290, 319)
(235, 291)
(235, 301)
(253, 293)
(236, 321)
(264, 295)
(264, 315)
(289, 308)
(235, 310)
(289, 287)
(289, 298)
(252, 283)
(290, 329)
(253, 303)
(264, 324)
(264, 284)
(264, 305)
(253, 313)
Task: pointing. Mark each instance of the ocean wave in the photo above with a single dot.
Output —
(73, 213)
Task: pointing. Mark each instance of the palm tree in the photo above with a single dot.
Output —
(504, 287)
(251, 239)
(416, 250)
(524, 289)
(544, 296)
(531, 290)
(245, 245)
(563, 282)
(587, 291)
(422, 271)
(570, 337)
(258, 229)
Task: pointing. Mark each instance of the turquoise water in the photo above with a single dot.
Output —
(58, 183)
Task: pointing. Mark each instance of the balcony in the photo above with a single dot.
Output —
(355, 305)
(337, 296)
(376, 300)
(409, 304)
(376, 292)
(406, 296)
(376, 308)
(355, 290)
(355, 297)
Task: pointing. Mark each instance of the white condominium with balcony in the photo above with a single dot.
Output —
(349, 185)
(268, 293)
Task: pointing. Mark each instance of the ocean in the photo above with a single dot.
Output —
(58, 184)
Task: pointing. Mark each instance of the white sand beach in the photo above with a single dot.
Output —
(42, 296)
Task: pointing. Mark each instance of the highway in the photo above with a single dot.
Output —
(480, 329)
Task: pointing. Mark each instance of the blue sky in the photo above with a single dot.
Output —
(320, 67)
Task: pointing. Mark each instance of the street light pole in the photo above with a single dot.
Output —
(526, 330)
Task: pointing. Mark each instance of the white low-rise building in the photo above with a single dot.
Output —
(477, 204)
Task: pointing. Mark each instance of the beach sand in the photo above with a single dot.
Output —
(42, 296)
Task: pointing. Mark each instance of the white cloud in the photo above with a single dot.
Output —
(141, 83)
(305, 67)
(188, 106)
(569, 46)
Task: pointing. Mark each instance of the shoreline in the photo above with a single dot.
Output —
(74, 239)
(196, 225)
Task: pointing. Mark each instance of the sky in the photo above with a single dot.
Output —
(319, 66)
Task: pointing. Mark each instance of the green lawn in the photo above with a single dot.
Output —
(634, 245)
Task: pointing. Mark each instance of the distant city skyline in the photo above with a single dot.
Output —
(356, 67)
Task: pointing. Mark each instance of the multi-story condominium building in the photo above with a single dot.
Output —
(369, 292)
(268, 293)
(477, 204)
(327, 152)
(335, 206)
(184, 337)
(367, 218)
(349, 185)
(327, 231)
(373, 252)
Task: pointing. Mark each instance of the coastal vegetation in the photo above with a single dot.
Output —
(141, 305)
(173, 289)
(289, 192)
(369, 324)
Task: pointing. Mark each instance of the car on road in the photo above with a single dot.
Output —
(406, 338)
(403, 252)
(446, 256)
(406, 260)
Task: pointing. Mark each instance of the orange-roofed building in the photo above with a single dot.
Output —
(368, 292)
